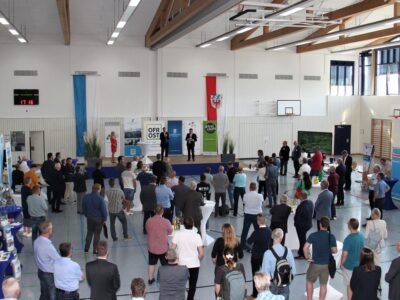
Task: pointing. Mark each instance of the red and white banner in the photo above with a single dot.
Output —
(211, 91)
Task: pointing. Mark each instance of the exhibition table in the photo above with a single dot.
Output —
(389, 205)
(12, 211)
(206, 210)
(6, 269)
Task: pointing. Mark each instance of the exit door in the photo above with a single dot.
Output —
(342, 138)
(36, 146)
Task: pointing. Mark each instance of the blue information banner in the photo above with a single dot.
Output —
(396, 171)
(175, 137)
(1, 158)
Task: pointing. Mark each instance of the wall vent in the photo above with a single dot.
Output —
(283, 77)
(25, 73)
(217, 74)
(312, 78)
(177, 74)
(248, 76)
(128, 74)
(92, 73)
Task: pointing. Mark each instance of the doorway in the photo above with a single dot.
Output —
(36, 146)
(342, 138)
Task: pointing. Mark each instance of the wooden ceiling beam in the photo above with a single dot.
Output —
(63, 12)
(345, 12)
(349, 40)
(177, 21)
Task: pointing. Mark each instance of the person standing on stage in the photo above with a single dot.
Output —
(191, 139)
(164, 137)
(114, 143)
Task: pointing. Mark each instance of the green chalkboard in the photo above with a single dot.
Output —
(311, 139)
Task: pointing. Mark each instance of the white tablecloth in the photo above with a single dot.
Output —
(206, 210)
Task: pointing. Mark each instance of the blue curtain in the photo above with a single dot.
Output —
(80, 112)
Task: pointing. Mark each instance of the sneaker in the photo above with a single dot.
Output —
(151, 281)
(128, 238)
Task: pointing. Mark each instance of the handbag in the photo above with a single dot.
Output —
(332, 262)
(105, 231)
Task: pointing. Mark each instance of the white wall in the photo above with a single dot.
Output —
(155, 95)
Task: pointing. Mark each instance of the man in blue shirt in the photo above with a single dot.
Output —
(95, 211)
(322, 242)
(381, 188)
(164, 196)
(350, 259)
(45, 256)
(269, 263)
(67, 275)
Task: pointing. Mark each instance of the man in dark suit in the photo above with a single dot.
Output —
(180, 191)
(194, 200)
(159, 168)
(393, 277)
(303, 221)
(348, 162)
(341, 171)
(191, 139)
(57, 184)
(296, 154)
(148, 199)
(102, 276)
(47, 171)
(164, 137)
(280, 214)
(284, 154)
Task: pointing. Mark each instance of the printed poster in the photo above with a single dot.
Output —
(132, 135)
(175, 137)
(210, 137)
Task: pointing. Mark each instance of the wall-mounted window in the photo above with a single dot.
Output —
(387, 71)
(365, 73)
(342, 78)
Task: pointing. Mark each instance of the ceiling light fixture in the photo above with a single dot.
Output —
(223, 38)
(244, 30)
(130, 9)
(11, 28)
(3, 21)
(205, 45)
(280, 48)
(291, 11)
(337, 33)
(359, 49)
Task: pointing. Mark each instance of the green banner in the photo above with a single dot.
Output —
(210, 137)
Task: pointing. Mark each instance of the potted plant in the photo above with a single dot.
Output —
(228, 148)
(92, 149)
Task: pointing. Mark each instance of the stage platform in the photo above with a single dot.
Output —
(179, 163)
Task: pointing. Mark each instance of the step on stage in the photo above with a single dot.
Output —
(179, 163)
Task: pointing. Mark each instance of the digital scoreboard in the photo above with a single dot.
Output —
(26, 97)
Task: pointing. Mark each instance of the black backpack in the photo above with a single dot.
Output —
(283, 271)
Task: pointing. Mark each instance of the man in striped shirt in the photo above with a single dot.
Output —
(115, 199)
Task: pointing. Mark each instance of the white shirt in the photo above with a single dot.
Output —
(252, 203)
(304, 168)
(187, 242)
(127, 179)
(172, 182)
(24, 166)
(137, 298)
(373, 179)
(261, 174)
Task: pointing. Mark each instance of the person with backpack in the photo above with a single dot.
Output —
(350, 259)
(278, 263)
(230, 279)
(323, 245)
(376, 234)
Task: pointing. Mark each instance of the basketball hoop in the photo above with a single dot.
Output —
(394, 117)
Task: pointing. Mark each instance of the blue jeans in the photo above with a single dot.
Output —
(121, 217)
(247, 221)
(230, 193)
(271, 191)
(280, 290)
(47, 286)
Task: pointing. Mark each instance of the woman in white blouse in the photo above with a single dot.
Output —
(379, 225)
(261, 179)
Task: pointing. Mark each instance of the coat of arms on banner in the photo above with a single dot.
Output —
(216, 100)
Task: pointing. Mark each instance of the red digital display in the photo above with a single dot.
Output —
(26, 97)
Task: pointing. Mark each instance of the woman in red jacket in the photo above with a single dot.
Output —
(113, 140)
(316, 162)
